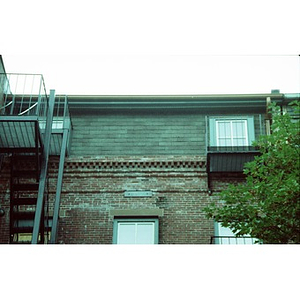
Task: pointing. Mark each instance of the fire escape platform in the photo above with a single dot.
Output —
(24, 133)
(18, 133)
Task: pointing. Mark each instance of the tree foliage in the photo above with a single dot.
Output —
(267, 205)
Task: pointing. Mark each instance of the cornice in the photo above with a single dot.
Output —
(157, 163)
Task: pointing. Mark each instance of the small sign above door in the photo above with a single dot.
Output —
(138, 194)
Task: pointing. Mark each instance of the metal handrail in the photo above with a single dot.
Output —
(55, 220)
(62, 111)
(8, 104)
(228, 238)
(44, 170)
(232, 149)
(28, 109)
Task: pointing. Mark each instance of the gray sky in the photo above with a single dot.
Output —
(157, 47)
(160, 74)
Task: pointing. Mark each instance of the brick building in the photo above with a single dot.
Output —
(91, 169)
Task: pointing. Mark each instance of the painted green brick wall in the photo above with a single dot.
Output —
(139, 133)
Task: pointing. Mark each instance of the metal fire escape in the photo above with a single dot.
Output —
(33, 126)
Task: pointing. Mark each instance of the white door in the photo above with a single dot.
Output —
(136, 232)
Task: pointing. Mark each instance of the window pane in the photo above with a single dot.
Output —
(238, 128)
(232, 133)
(224, 129)
(226, 236)
(224, 142)
(239, 142)
(223, 133)
(145, 233)
(126, 233)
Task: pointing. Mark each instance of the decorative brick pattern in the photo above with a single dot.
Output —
(93, 187)
(119, 162)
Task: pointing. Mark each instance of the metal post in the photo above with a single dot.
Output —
(37, 151)
(39, 98)
(44, 169)
(63, 150)
(11, 221)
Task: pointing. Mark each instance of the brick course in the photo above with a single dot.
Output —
(94, 186)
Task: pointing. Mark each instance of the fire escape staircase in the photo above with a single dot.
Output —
(29, 134)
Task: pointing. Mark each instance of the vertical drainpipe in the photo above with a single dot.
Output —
(268, 116)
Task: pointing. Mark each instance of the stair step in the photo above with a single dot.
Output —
(23, 229)
(24, 157)
(25, 187)
(20, 242)
(27, 229)
(27, 216)
(25, 242)
(24, 173)
(24, 201)
(23, 215)
(26, 225)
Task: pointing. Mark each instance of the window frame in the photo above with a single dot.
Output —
(213, 128)
(135, 220)
(219, 231)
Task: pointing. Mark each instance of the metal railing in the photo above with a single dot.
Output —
(61, 115)
(232, 149)
(62, 112)
(43, 174)
(62, 120)
(233, 240)
(23, 95)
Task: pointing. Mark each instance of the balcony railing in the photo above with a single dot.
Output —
(231, 149)
(23, 95)
(233, 240)
(23, 103)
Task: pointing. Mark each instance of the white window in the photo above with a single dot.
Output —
(231, 131)
(225, 236)
(135, 231)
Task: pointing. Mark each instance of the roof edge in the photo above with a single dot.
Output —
(175, 97)
(231, 102)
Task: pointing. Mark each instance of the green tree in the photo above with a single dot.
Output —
(267, 205)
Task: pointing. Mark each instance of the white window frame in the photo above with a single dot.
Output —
(119, 221)
(225, 236)
(231, 136)
(214, 132)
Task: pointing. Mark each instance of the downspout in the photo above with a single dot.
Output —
(268, 116)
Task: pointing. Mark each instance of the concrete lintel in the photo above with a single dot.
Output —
(137, 212)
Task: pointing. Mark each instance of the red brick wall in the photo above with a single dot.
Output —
(94, 186)
(4, 200)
